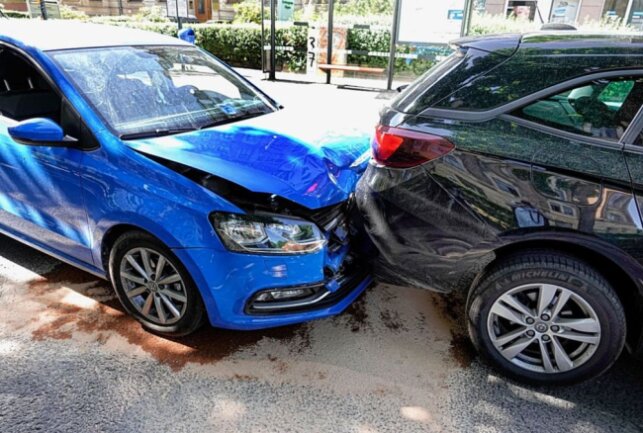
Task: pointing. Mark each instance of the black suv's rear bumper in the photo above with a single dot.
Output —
(425, 237)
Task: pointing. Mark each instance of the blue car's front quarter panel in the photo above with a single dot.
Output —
(123, 184)
(124, 187)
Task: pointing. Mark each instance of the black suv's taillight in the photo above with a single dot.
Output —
(402, 148)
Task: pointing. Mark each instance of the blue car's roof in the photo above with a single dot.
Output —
(60, 35)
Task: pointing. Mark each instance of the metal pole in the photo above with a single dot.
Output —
(466, 19)
(393, 49)
(263, 36)
(329, 51)
(43, 9)
(120, 7)
(178, 17)
(273, 40)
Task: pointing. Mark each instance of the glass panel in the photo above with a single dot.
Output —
(564, 11)
(615, 9)
(636, 14)
(361, 42)
(301, 39)
(602, 109)
(425, 28)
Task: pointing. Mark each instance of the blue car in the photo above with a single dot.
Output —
(144, 160)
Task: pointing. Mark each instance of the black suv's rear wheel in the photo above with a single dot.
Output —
(545, 317)
(154, 286)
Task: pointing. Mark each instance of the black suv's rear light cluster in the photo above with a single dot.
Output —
(402, 148)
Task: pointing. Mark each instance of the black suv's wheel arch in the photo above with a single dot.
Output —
(574, 276)
(593, 252)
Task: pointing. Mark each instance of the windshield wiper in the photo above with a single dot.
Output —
(161, 132)
(232, 119)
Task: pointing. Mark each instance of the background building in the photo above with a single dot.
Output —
(111, 7)
(570, 11)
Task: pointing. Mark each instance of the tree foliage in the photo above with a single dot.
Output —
(365, 7)
(248, 11)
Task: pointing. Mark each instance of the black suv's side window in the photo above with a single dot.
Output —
(602, 108)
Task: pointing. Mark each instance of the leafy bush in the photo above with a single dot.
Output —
(485, 24)
(248, 11)
(154, 14)
(365, 7)
(608, 25)
(69, 13)
(240, 44)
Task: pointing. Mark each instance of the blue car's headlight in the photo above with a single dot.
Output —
(267, 234)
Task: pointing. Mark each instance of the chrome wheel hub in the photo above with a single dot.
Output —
(544, 328)
(541, 327)
(153, 286)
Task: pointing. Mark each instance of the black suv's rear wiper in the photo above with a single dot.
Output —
(156, 133)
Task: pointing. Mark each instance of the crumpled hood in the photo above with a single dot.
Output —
(283, 153)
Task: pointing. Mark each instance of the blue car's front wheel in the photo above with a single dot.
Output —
(154, 286)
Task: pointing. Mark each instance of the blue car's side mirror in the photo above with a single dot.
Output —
(40, 132)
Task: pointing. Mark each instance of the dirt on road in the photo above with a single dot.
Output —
(397, 360)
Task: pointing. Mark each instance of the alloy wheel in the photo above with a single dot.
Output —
(153, 286)
(544, 328)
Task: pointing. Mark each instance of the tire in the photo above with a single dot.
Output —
(591, 345)
(149, 300)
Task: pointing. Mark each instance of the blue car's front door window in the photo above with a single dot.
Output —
(147, 91)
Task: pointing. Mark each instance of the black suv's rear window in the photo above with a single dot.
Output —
(456, 71)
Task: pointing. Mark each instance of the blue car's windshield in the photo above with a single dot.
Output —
(150, 91)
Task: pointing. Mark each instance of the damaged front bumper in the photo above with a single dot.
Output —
(244, 291)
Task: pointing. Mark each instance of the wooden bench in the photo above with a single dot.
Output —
(349, 68)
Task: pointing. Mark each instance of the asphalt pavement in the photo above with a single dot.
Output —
(398, 360)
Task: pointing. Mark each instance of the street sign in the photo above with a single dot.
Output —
(425, 22)
(177, 8)
(286, 10)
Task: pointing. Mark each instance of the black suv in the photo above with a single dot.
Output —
(513, 170)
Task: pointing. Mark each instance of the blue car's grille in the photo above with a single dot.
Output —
(319, 298)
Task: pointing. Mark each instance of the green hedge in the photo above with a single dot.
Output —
(240, 46)
(379, 41)
(15, 14)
